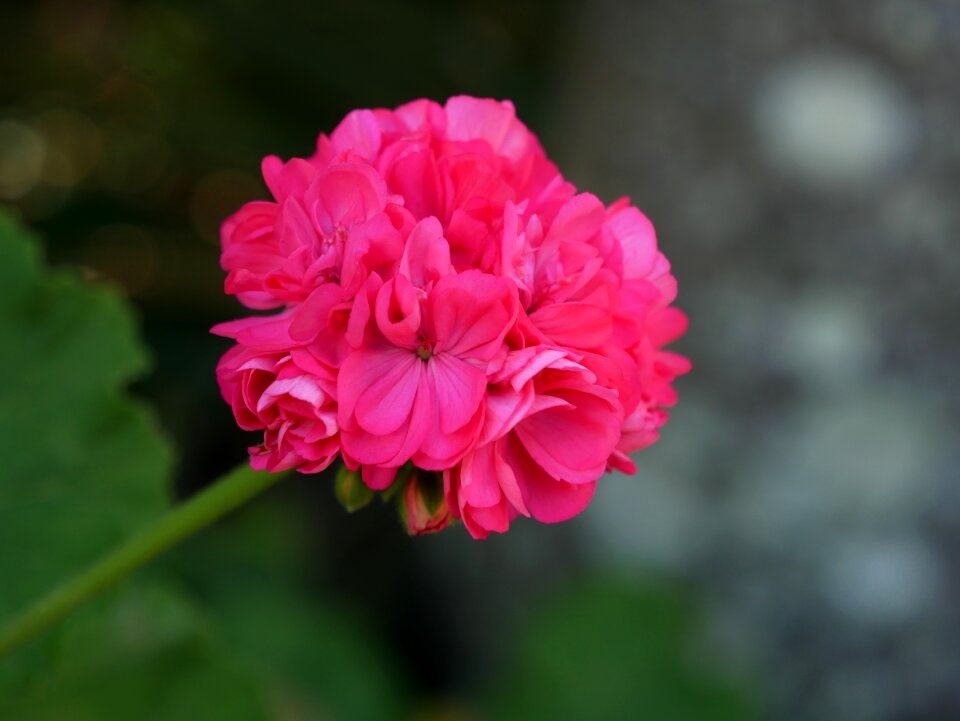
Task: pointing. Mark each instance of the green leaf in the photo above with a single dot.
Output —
(614, 650)
(83, 465)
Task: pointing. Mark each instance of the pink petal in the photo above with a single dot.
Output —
(458, 390)
(579, 220)
(264, 333)
(398, 312)
(414, 175)
(378, 478)
(505, 408)
(286, 179)
(439, 451)
(666, 326)
(378, 387)
(548, 499)
(426, 257)
(313, 315)
(345, 194)
(418, 114)
(638, 240)
(480, 522)
(482, 118)
(576, 325)
(552, 501)
(393, 449)
(471, 314)
(360, 132)
(478, 478)
(572, 443)
(362, 312)
(294, 229)
(369, 246)
(488, 462)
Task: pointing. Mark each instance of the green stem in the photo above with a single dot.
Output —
(215, 501)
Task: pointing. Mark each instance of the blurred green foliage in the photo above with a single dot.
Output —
(144, 654)
(612, 649)
(314, 651)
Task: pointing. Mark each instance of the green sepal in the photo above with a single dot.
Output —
(351, 491)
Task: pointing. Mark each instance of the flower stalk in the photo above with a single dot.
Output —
(196, 513)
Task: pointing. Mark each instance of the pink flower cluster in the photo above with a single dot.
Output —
(450, 301)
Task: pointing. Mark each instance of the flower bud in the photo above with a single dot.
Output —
(423, 506)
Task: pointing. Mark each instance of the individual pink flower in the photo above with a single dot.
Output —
(288, 394)
(573, 294)
(334, 230)
(548, 433)
(413, 385)
(451, 303)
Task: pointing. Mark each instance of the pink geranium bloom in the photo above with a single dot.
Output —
(449, 302)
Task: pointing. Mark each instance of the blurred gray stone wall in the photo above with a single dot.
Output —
(801, 162)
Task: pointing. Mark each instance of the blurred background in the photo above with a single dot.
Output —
(794, 536)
